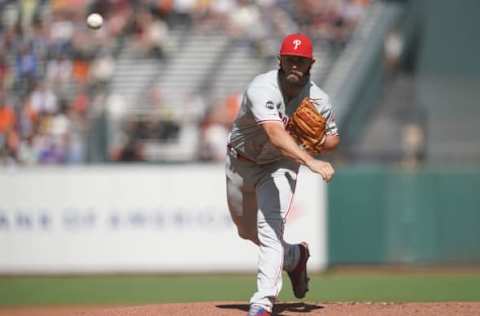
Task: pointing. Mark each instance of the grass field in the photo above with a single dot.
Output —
(325, 287)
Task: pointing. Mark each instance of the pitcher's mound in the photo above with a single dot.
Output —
(236, 309)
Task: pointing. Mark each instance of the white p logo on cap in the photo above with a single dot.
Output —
(296, 43)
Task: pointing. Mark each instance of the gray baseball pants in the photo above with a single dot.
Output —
(259, 198)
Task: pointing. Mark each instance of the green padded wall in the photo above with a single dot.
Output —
(382, 215)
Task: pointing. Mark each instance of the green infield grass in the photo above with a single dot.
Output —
(148, 289)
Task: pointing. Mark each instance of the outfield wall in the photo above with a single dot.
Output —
(382, 215)
(136, 219)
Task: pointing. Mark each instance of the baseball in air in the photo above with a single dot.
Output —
(94, 21)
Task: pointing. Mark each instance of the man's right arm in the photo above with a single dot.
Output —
(281, 140)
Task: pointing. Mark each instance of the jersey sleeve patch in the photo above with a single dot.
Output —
(261, 102)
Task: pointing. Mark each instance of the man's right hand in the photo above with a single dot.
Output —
(323, 168)
(280, 138)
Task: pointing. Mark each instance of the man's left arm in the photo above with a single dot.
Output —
(331, 142)
(332, 137)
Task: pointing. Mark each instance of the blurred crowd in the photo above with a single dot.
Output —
(55, 71)
(330, 23)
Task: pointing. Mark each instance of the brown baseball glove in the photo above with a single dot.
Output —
(307, 127)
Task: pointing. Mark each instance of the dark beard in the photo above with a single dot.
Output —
(295, 83)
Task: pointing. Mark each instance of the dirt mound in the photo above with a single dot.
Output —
(236, 309)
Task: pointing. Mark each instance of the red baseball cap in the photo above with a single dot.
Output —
(297, 44)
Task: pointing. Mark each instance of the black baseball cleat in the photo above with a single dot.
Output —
(298, 276)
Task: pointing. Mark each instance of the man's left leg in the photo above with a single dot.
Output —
(274, 196)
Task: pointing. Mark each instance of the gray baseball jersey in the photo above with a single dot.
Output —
(262, 102)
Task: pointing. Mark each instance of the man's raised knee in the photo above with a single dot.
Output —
(248, 235)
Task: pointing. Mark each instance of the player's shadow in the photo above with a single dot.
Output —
(278, 308)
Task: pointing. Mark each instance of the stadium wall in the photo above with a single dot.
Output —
(136, 219)
(382, 215)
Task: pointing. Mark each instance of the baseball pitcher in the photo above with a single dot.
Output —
(285, 121)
